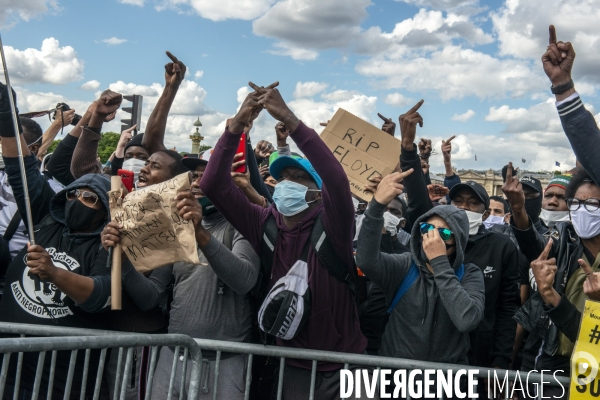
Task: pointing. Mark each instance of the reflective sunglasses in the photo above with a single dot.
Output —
(590, 204)
(445, 233)
(87, 197)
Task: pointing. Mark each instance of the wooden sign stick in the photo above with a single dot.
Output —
(115, 272)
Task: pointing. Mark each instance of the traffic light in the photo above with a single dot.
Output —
(136, 113)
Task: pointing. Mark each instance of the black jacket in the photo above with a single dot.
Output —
(486, 250)
(28, 301)
(542, 321)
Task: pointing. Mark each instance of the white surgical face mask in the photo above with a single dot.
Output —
(493, 220)
(390, 222)
(135, 165)
(550, 218)
(356, 203)
(586, 223)
(475, 221)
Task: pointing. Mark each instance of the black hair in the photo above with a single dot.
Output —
(32, 131)
(580, 177)
(177, 167)
(503, 201)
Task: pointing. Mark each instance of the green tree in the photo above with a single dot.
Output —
(53, 146)
(107, 145)
(204, 147)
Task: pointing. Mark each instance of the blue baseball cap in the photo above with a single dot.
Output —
(286, 161)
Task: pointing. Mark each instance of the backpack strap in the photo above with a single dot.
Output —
(267, 257)
(410, 278)
(329, 258)
(407, 282)
(12, 226)
(227, 242)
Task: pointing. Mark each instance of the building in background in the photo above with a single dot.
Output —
(492, 180)
(196, 137)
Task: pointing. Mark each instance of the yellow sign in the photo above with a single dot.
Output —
(585, 376)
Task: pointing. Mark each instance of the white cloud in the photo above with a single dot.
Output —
(139, 3)
(282, 49)
(51, 64)
(309, 89)
(464, 117)
(113, 41)
(219, 10)
(441, 4)
(12, 11)
(396, 99)
(522, 29)
(90, 85)
(199, 74)
(454, 73)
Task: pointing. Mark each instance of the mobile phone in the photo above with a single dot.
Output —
(242, 148)
(126, 178)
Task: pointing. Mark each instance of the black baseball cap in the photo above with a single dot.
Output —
(192, 161)
(474, 186)
(532, 182)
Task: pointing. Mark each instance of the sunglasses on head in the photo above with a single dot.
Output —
(445, 233)
(87, 197)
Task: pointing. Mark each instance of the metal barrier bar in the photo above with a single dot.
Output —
(99, 374)
(70, 374)
(86, 369)
(4, 373)
(216, 377)
(248, 377)
(18, 376)
(38, 375)
(183, 373)
(52, 373)
(118, 374)
(313, 380)
(126, 373)
(173, 370)
(280, 383)
(153, 359)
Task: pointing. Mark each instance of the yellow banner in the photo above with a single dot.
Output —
(585, 377)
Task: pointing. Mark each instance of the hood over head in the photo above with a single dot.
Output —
(459, 225)
(97, 182)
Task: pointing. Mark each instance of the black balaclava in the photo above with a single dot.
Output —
(533, 207)
(80, 217)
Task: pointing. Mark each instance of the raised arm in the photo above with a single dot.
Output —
(386, 270)
(338, 213)
(415, 184)
(84, 157)
(578, 123)
(154, 136)
(63, 118)
(217, 184)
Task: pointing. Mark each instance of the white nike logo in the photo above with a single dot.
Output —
(488, 270)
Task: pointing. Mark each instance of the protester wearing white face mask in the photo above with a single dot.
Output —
(554, 261)
(554, 204)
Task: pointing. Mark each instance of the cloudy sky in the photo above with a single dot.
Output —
(476, 64)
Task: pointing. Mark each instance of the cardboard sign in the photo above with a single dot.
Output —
(585, 374)
(153, 233)
(363, 150)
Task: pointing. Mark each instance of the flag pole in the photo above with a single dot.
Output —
(13, 110)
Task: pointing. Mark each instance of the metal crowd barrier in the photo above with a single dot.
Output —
(85, 339)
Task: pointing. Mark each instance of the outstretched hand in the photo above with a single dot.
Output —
(174, 71)
(447, 148)
(271, 100)
(108, 103)
(388, 126)
(591, 285)
(390, 187)
(408, 126)
(544, 271)
(558, 59)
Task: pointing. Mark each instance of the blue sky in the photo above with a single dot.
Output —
(475, 63)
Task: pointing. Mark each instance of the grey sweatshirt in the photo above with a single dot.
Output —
(432, 320)
(197, 309)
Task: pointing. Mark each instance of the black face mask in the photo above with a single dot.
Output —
(80, 217)
(270, 189)
(533, 207)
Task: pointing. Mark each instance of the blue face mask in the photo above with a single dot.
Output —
(290, 197)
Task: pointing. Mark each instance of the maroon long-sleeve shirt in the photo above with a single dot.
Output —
(333, 321)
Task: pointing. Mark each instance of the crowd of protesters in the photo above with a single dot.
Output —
(441, 273)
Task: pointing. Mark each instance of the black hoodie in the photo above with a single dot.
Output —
(26, 301)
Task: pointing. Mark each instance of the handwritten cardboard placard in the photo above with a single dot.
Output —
(363, 149)
(153, 233)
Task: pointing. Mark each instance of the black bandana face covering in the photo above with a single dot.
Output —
(533, 207)
(80, 217)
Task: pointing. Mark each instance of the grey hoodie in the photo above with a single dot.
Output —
(432, 320)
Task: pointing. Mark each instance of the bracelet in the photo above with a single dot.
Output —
(562, 88)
